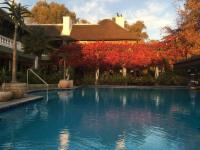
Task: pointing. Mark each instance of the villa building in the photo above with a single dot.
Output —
(6, 45)
(67, 32)
(193, 62)
(105, 30)
(191, 67)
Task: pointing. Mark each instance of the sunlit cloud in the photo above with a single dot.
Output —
(156, 16)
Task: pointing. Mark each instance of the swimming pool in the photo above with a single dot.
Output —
(105, 119)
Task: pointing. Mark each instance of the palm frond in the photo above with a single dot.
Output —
(16, 12)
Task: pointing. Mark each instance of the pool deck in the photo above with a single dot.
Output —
(4, 106)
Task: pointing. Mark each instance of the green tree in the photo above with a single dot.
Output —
(37, 42)
(138, 29)
(49, 13)
(83, 21)
(17, 13)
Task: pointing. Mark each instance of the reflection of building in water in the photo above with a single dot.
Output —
(65, 95)
(120, 144)
(64, 140)
(96, 95)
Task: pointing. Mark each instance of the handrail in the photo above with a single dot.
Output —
(40, 78)
(37, 77)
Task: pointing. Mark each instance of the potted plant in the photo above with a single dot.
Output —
(65, 82)
(4, 95)
(69, 56)
(17, 13)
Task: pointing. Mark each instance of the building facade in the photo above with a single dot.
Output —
(106, 30)
(6, 45)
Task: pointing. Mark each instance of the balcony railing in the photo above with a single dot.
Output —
(7, 42)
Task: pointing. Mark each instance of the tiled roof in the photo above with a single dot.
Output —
(51, 30)
(106, 30)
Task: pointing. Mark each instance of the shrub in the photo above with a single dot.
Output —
(118, 79)
(168, 78)
(4, 76)
(49, 77)
(88, 79)
(172, 78)
(112, 80)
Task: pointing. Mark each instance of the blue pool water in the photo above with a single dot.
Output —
(105, 119)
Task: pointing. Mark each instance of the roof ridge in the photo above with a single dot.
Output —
(44, 24)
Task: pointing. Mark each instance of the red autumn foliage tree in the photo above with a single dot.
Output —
(173, 49)
(93, 54)
(111, 54)
(141, 56)
(71, 54)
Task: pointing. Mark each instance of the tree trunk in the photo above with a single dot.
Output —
(97, 76)
(14, 59)
(67, 73)
(124, 72)
(156, 72)
(64, 74)
(36, 62)
(163, 69)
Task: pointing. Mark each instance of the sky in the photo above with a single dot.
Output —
(156, 14)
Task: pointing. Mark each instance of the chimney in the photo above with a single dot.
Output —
(119, 19)
(67, 26)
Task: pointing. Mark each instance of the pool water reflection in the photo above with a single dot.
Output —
(105, 118)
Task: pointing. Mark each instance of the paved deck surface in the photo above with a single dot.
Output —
(13, 103)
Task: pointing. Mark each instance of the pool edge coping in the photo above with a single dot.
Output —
(5, 106)
(19, 102)
(137, 87)
(52, 89)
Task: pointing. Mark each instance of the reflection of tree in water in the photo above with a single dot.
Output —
(96, 95)
(140, 113)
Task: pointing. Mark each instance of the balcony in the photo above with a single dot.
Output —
(7, 42)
